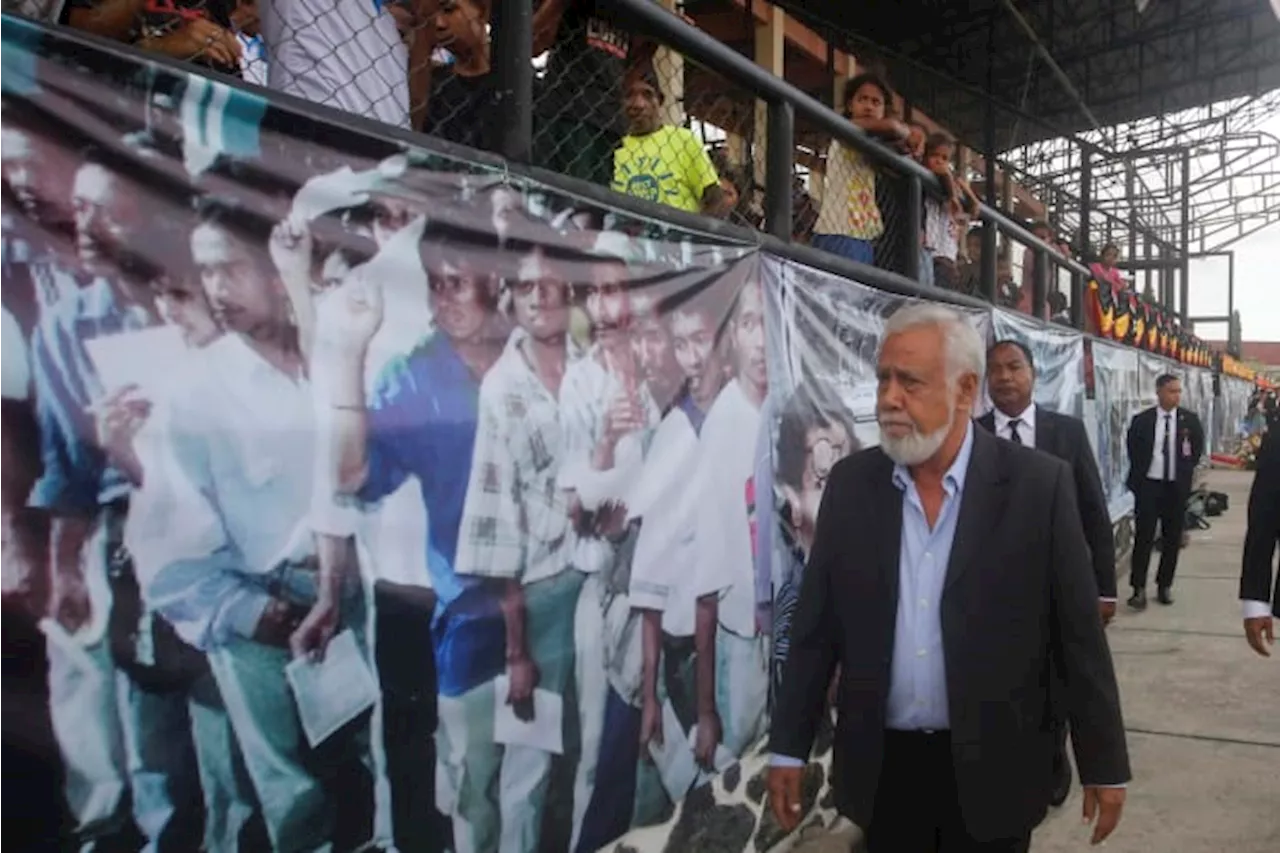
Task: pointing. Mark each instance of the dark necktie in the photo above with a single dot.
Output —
(1168, 449)
(1013, 431)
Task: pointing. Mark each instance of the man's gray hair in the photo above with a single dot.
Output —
(965, 351)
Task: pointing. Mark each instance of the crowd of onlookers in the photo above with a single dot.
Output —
(600, 114)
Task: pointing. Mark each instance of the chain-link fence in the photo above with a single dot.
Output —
(610, 106)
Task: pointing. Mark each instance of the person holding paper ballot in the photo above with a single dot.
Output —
(238, 575)
(516, 530)
(420, 423)
(86, 500)
(949, 576)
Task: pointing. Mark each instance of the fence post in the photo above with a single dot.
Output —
(914, 207)
(513, 75)
(990, 260)
(1077, 299)
(779, 154)
(1040, 283)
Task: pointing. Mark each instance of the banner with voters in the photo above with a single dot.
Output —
(362, 495)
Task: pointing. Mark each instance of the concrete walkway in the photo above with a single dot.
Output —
(1202, 711)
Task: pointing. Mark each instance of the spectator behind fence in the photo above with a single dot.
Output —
(942, 223)
(969, 266)
(577, 124)
(460, 107)
(349, 54)
(253, 53)
(1105, 270)
(196, 31)
(1044, 231)
(849, 219)
(735, 182)
(661, 163)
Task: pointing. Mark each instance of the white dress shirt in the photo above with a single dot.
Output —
(1026, 425)
(1156, 470)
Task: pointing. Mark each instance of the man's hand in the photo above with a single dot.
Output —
(610, 520)
(290, 247)
(522, 673)
(784, 795)
(277, 623)
(1104, 804)
(199, 39)
(312, 637)
(1107, 609)
(358, 316)
(709, 735)
(1260, 632)
(69, 603)
(624, 416)
(117, 419)
(650, 724)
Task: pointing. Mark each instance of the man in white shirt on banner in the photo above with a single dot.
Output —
(240, 574)
(738, 667)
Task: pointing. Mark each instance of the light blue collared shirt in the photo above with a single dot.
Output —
(918, 675)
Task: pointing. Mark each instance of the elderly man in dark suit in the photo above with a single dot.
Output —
(1011, 377)
(949, 579)
(1165, 444)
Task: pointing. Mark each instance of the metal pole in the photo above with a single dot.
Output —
(780, 146)
(1077, 299)
(1040, 283)
(1086, 200)
(1184, 294)
(513, 75)
(1231, 283)
(914, 206)
(1133, 209)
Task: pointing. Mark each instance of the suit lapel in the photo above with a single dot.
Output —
(1046, 432)
(981, 504)
(987, 421)
(887, 531)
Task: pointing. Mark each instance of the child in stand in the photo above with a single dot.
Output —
(943, 217)
(849, 220)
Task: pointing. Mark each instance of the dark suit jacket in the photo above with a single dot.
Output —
(1019, 599)
(1141, 442)
(1064, 437)
(1264, 528)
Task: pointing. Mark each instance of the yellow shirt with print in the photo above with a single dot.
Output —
(669, 166)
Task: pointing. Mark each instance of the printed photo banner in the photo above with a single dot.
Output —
(1118, 395)
(1059, 359)
(376, 477)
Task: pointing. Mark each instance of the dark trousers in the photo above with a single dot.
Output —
(917, 806)
(613, 800)
(407, 672)
(1162, 502)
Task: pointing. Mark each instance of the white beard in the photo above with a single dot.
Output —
(917, 447)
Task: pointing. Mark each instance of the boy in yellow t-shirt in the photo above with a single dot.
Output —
(661, 163)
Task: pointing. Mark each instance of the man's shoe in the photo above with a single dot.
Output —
(1061, 780)
(1164, 595)
(1138, 601)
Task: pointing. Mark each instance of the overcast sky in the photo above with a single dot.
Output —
(1257, 280)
